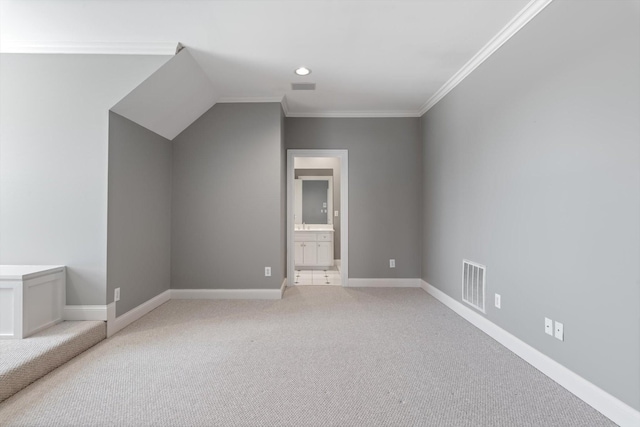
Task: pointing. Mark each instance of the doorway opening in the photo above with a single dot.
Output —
(317, 217)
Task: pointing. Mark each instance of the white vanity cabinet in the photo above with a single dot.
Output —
(313, 248)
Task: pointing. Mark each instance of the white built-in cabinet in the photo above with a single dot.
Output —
(32, 298)
(313, 248)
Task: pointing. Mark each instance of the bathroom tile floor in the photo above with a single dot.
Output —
(330, 277)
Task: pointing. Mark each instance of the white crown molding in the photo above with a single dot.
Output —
(96, 48)
(516, 24)
(356, 114)
(611, 407)
(285, 106)
(249, 99)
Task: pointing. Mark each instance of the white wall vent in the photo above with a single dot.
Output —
(474, 277)
(303, 86)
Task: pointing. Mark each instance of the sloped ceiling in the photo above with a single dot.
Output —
(171, 98)
(369, 57)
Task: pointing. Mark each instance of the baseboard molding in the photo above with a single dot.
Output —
(84, 312)
(611, 407)
(383, 283)
(283, 287)
(115, 324)
(227, 293)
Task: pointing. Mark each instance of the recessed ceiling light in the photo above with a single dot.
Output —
(303, 71)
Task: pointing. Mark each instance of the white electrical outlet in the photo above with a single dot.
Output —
(116, 294)
(548, 326)
(392, 263)
(335, 214)
(497, 301)
(559, 331)
(267, 272)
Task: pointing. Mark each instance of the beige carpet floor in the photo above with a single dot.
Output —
(26, 360)
(322, 356)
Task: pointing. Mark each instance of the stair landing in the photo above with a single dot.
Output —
(24, 361)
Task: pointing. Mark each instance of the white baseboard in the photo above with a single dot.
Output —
(226, 293)
(117, 323)
(611, 407)
(111, 318)
(283, 287)
(85, 312)
(384, 283)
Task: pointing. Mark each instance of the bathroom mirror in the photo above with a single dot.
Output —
(313, 200)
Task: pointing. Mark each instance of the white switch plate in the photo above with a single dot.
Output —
(116, 294)
(392, 263)
(267, 272)
(335, 214)
(548, 326)
(559, 331)
(498, 301)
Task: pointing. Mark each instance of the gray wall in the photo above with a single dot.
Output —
(53, 161)
(531, 167)
(139, 213)
(309, 164)
(384, 188)
(227, 221)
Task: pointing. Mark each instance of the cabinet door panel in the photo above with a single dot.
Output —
(299, 253)
(324, 254)
(310, 251)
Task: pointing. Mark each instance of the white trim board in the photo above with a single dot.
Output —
(384, 283)
(250, 100)
(115, 324)
(611, 407)
(84, 312)
(226, 293)
(89, 48)
(356, 114)
(516, 24)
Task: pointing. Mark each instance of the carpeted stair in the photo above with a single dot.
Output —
(24, 361)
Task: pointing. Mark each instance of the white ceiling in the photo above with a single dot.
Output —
(369, 58)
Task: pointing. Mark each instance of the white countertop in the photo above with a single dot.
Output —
(315, 230)
(18, 272)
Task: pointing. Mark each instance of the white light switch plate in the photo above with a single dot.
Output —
(267, 272)
(548, 326)
(392, 263)
(116, 294)
(559, 331)
(498, 302)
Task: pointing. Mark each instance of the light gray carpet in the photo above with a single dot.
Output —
(24, 361)
(322, 356)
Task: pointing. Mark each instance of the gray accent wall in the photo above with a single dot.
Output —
(385, 188)
(227, 220)
(139, 213)
(53, 161)
(532, 167)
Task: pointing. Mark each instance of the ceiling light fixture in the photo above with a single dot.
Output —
(303, 71)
